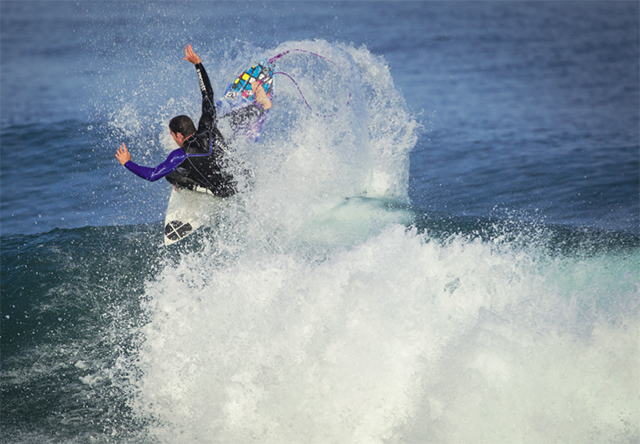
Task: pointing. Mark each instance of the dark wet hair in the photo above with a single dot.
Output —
(183, 125)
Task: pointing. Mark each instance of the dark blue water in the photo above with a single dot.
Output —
(453, 258)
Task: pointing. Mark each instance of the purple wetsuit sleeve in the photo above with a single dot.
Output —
(152, 174)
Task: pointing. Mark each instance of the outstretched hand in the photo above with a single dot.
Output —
(123, 154)
(191, 56)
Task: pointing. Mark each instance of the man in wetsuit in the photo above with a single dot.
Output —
(199, 164)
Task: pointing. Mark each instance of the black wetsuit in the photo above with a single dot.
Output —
(201, 164)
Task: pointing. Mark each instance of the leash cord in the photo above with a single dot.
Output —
(273, 59)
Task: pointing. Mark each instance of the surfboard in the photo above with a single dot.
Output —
(241, 93)
(187, 211)
(243, 84)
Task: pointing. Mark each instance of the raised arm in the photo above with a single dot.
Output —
(208, 117)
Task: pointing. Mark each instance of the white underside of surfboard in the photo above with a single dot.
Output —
(186, 212)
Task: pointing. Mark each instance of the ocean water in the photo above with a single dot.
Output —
(453, 257)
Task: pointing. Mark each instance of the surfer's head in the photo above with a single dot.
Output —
(181, 128)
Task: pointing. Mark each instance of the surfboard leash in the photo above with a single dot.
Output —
(273, 59)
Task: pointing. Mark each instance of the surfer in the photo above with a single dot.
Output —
(200, 162)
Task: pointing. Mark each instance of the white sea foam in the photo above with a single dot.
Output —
(398, 337)
(313, 314)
